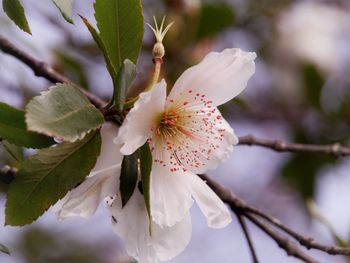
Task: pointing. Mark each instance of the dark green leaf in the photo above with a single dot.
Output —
(47, 176)
(13, 129)
(14, 155)
(313, 82)
(66, 9)
(64, 112)
(146, 167)
(214, 19)
(15, 11)
(4, 249)
(126, 76)
(121, 29)
(111, 69)
(128, 177)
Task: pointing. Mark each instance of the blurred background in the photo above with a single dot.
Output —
(300, 93)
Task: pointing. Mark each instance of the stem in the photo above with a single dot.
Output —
(157, 66)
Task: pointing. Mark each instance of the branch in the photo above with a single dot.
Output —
(238, 205)
(41, 69)
(283, 242)
(247, 236)
(280, 146)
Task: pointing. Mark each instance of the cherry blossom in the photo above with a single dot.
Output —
(187, 135)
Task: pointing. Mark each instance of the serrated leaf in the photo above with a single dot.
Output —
(47, 176)
(146, 168)
(112, 71)
(63, 112)
(66, 9)
(15, 11)
(126, 76)
(120, 23)
(128, 177)
(4, 249)
(13, 129)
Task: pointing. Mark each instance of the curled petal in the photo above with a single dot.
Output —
(132, 225)
(219, 76)
(141, 118)
(170, 196)
(84, 199)
(211, 205)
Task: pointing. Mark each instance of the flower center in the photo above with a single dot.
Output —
(187, 133)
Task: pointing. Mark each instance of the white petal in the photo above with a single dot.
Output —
(170, 196)
(219, 76)
(102, 181)
(110, 153)
(84, 199)
(142, 117)
(212, 207)
(132, 225)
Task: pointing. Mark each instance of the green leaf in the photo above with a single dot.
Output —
(126, 76)
(66, 9)
(4, 249)
(128, 177)
(209, 24)
(13, 155)
(313, 81)
(112, 71)
(13, 129)
(47, 176)
(146, 167)
(63, 112)
(120, 23)
(15, 11)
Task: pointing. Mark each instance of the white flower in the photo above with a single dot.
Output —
(131, 222)
(188, 135)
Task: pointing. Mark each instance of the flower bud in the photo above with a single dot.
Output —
(158, 50)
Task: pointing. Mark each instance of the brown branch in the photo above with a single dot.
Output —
(41, 69)
(280, 146)
(283, 242)
(307, 242)
(247, 237)
(238, 205)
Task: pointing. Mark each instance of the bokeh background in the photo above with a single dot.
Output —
(300, 92)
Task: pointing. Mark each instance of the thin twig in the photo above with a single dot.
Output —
(247, 237)
(307, 242)
(280, 146)
(41, 69)
(237, 204)
(283, 242)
